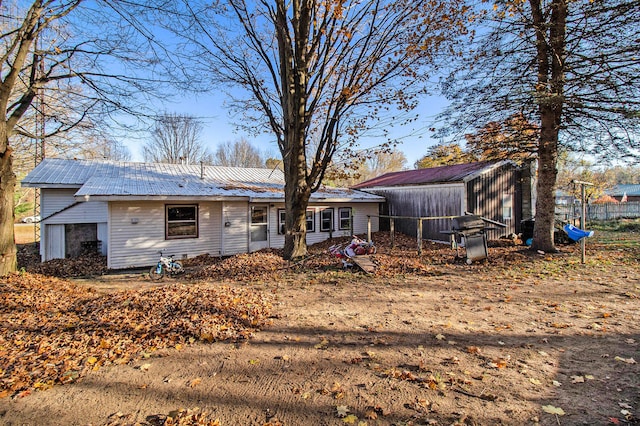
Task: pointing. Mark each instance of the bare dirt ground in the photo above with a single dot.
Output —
(519, 339)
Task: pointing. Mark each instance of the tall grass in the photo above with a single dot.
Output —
(24, 233)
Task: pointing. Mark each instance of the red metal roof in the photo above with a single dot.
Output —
(442, 174)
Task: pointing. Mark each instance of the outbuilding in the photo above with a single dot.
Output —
(498, 191)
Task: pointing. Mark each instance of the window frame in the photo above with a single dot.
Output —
(349, 219)
(312, 220)
(195, 221)
(322, 212)
(282, 218)
(507, 205)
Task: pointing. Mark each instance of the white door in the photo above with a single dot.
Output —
(54, 242)
(259, 228)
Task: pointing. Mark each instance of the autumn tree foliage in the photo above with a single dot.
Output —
(515, 139)
(568, 67)
(444, 154)
(314, 73)
(366, 165)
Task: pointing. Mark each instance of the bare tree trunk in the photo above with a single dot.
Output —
(545, 202)
(8, 261)
(297, 194)
(550, 47)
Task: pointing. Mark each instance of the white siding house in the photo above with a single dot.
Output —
(130, 211)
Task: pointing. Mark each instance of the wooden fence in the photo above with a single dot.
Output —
(606, 211)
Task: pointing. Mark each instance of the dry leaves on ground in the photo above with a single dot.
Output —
(241, 267)
(91, 264)
(53, 332)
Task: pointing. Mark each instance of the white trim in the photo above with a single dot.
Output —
(176, 198)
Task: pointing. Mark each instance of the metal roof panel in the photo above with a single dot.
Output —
(442, 174)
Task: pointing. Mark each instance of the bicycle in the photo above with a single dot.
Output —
(165, 265)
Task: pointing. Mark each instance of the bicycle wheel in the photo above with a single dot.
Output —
(155, 275)
(176, 267)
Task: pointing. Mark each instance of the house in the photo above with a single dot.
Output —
(499, 191)
(129, 211)
(625, 192)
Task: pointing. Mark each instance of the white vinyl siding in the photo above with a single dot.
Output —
(54, 200)
(359, 213)
(235, 235)
(103, 236)
(53, 242)
(69, 209)
(85, 212)
(137, 233)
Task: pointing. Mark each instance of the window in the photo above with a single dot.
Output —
(344, 213)
(311, 221)
(310, 216)
(507, 206)
(181, 221)
(326, 220)
(282, 214)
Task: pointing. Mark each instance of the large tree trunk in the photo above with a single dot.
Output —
(8, 262)
(297, 194)
(550, 52)
(546, 185)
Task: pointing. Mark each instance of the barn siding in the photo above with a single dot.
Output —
(424, 201)
(485, 198)
(137, 233)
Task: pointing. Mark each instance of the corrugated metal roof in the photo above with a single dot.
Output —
(122, 179)
(443, 174)
(632, 190)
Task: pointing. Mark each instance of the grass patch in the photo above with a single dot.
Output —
(24, 233)
(619, 225)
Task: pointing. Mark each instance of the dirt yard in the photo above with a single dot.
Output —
(522, 338)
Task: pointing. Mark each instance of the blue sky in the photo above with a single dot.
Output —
(219, 128)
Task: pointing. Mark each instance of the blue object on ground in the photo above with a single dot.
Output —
(529, 241)
(576, 234)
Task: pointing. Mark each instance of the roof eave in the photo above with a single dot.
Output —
(50, 185)
(181, 198)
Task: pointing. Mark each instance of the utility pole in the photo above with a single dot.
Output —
(40, 131)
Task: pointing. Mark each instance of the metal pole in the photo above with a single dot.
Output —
(419, 236)
(369, 229)
(583, 221)
(391, 230)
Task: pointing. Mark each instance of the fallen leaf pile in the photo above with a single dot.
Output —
(84, 266)
(53, 332)
(241, 267)
(402, 258)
